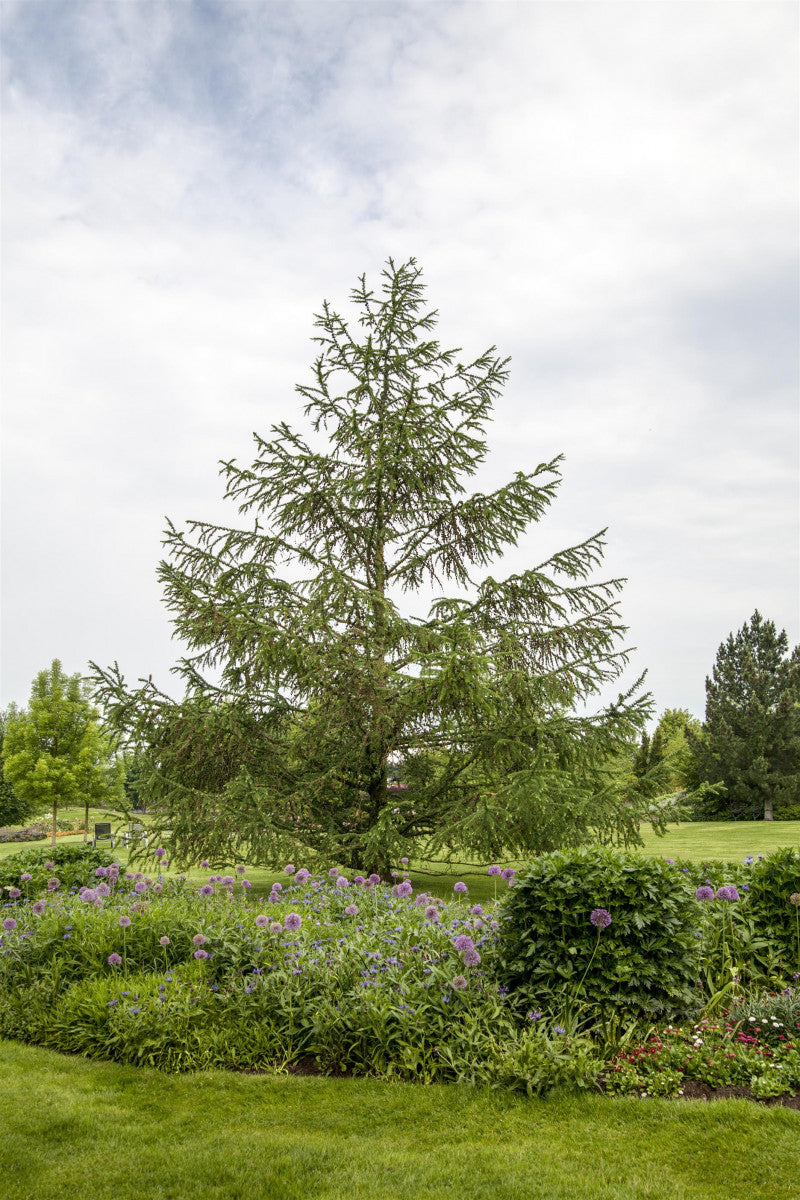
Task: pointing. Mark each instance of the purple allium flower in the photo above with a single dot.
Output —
(227, 881)
(124, 921)
(241, 869)
(508, 874)
(431, 913)
(333, 872)
(358, 879)
(404, 888)
(38, 908)
(205, 864)
(9, 924)
(289, 868)
(477, 910)
(422, 899)
(795, 899)
(373, 878)
(262, 920)
(206, 890)
(463, 942)
(458, 983)
(669, 860)
(201, 954)
(600, 918)
(14, 893)
(49, 866)
(199, 939)
(25, 876)
(101, 871)
(158, 888)
(277, 887)
(302, 875)
(704, 893)
(471, 957)
(352, 910)
(494, 869)
(103, 890)
(139, 887)
(342, 882)
(460, 887)
(275, 927)
(727, 892)
(292, 921)
(404, 861)
(113, 960)
(160, 852)
(163, 941)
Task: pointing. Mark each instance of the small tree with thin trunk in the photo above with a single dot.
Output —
(55, 753)
(308, 680)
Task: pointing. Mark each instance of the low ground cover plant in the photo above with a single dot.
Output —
(615, 958)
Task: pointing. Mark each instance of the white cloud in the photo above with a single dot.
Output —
(607, 191)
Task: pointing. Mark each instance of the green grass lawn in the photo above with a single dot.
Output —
(77, 1128)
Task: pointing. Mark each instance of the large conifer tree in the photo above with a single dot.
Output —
(306, 679)
(751, 735)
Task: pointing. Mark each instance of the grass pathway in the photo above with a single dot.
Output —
(78, 1128)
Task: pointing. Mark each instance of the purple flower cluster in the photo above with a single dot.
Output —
(704, 893)
(727, 892)
(600, 918)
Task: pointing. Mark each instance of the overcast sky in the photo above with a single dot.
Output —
(606, 191)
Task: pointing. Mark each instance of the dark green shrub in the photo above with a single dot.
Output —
(644, 964)
(73, 865)
(774, 880)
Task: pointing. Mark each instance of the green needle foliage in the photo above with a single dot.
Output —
(307, 682)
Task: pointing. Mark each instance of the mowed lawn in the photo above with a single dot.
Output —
(89, 1129)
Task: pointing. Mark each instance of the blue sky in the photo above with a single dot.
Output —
(607, 191)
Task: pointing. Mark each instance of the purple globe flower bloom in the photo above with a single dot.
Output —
(157, 888)
(727, 892)
(38, 908)
(600, 918)
(14, 893)
(373, 878)
(102, 889)
(241, 869)
(431, 913)
(422, 899)
(333, 872)
(494, 869)
(114, 960)
(25, 876)
(101, 871)
(292, 921)
(508, 874)
(160, 852)
(227, 881)
(163, 941)
(704, 893)
(477, 910)
(9, 923)
(404, 861)
(275, 927)
(302, 875)
(124, 922)
(262, 920)
(199, 939)
(352, 910)
(358, 879)
(463, 942)
(342, 882)
(205, 864)
(404, 888)
(201, 954)
(206, 890)
(460, 887)
(289, 868)
(53, 884)
(458, 983)
(140, 887)
(277, 887)
(49, 866)
(471, 957)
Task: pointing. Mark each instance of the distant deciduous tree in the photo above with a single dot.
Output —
(55, 752)
(751, 735)
(13, 809)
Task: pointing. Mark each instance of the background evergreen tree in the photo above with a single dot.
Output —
(55, 752)
(751, 733)
(303, 687)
